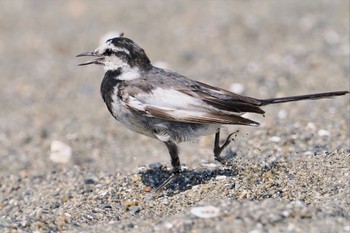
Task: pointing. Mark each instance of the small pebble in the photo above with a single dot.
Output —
(237, 88)
(89, 181)
(275, 139)
(205, 211)
(136, 178)
(133, 203)
(147, 188)
(291, 176)
(286, 213)
(209, 165)
(308, 153)
(283, 113)
(107, 206)
(60, 152)
(103, 193)
(311, 125)
(168, 225)
(142, 168)
(24, 223)
(165, 201)
(323, 133)
(220, 177)
(155, 165)
(55, 204)
(134, 209)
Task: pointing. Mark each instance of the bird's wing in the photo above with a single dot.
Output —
(223, 99)
(191, 103)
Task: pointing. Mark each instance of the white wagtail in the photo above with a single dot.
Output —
(168, 106)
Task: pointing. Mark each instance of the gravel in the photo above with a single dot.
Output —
(289, 175)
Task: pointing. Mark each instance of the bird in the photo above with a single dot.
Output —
(168, 106)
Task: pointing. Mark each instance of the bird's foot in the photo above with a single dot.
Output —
(218, 149)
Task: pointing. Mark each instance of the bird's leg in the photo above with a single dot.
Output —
(175, 162)
(218, 149)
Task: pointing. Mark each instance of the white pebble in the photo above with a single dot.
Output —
(311, 125)
(283, 113)
(60, 152)
(205, 211)
(168, 225)
(103, 193)
(275, 139)
(308, 153)
(220, 177)
(165, 201)
(237, 88)
(323, 133)
(209, 165)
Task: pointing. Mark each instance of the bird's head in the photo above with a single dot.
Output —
(117, 53)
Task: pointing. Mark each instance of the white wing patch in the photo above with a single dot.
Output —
(174, 105)
(170, 99)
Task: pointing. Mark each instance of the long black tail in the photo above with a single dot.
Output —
(302, 97)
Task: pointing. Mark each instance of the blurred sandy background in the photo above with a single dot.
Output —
(260, 48)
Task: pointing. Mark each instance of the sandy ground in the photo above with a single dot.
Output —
(289, 175)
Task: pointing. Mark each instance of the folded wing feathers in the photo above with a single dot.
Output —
(231, 103)
(198, 117)
(192, 107)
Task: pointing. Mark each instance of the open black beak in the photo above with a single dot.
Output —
(91, 54)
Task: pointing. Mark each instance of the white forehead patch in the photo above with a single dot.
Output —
(109, 45)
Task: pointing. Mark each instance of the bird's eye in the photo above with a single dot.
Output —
(108, 52)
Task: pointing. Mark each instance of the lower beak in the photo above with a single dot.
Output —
(91, 54)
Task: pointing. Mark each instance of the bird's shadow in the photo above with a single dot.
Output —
(186, 180)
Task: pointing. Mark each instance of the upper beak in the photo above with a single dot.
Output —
(93, 54)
